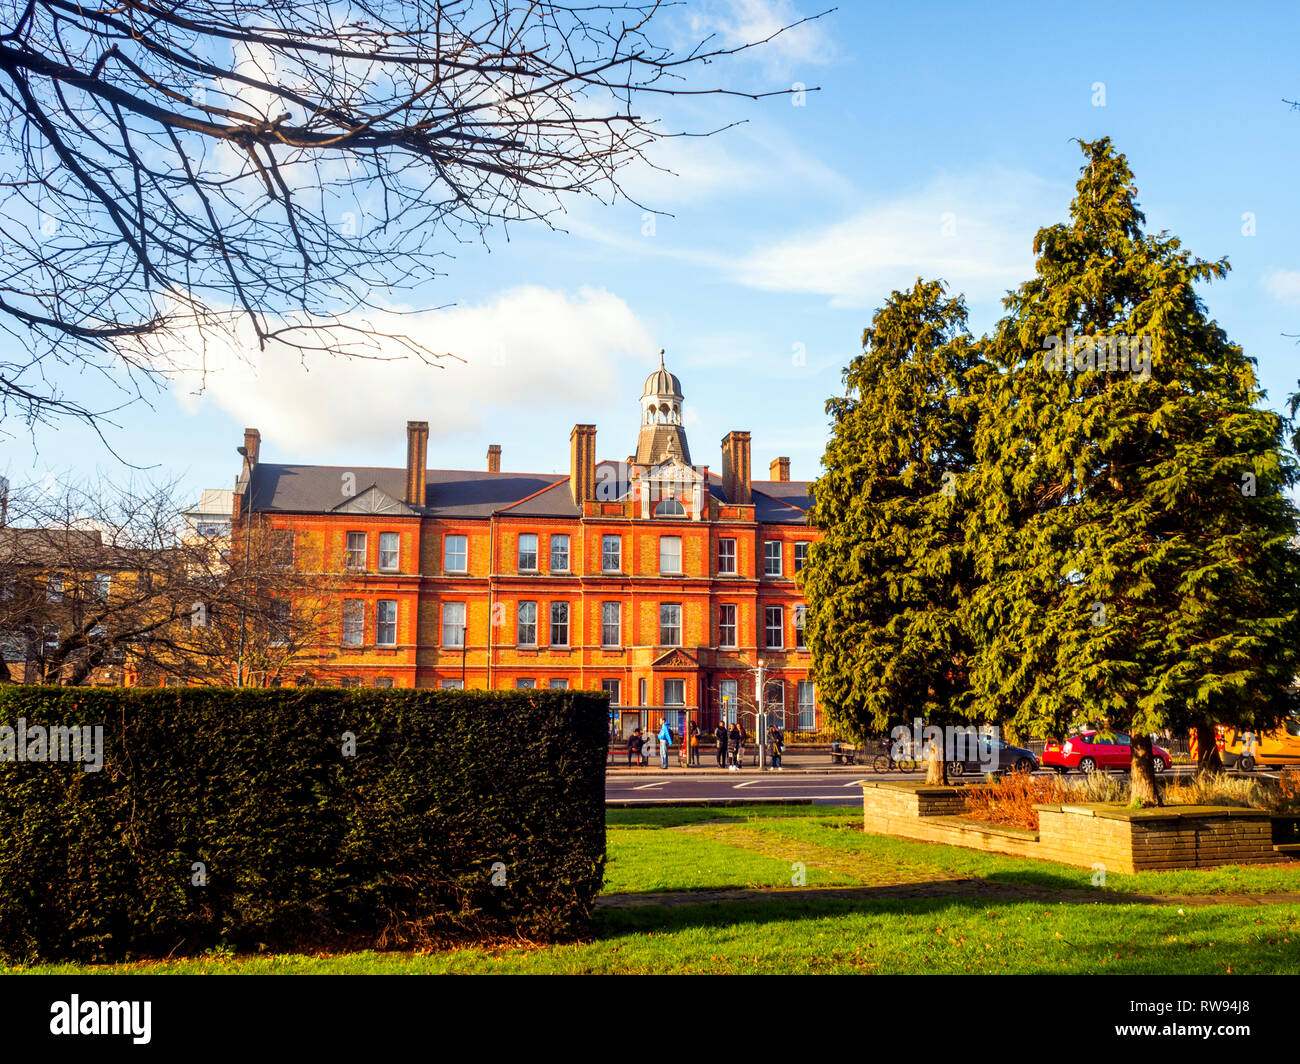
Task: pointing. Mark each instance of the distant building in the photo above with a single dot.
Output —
(660, 582)
(212, 516)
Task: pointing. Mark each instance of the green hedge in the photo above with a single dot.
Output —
(299, 842)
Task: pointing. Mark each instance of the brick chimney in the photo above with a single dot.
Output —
(417, 461)
(735, 468)
(582, 463)
(252, 444)
(494, 458)
(779, 469)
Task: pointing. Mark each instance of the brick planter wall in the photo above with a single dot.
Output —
(1123, 840)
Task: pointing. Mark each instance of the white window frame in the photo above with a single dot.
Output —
(677, 685)
(452, 685)
(395, 551)
(807, 708)
(562, 606)
(352, 553)
(557, 683)
(525, 683)
(725, 628)
(666, 559)
(617, 624)
(520, 612)
(354, 626)
(560, 539)
(729, 699)
(520, 552)
(801, 554)
(779, 627)
(450, 627)
(613, 688)
(729, 542)
(381, 623)
(605, 539)
(768, 544)
(450, 540)
(801, 627)
(668, 626)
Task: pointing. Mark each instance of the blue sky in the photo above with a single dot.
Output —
(941, 140)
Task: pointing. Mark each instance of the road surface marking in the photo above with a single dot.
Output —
(647, 786)
(747, 783)
(855, 783)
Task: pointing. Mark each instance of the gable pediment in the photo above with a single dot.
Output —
(676, 658)
(373, 500)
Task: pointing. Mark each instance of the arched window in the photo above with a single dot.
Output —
(670, 508)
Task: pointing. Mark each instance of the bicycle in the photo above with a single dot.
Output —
(885, 761)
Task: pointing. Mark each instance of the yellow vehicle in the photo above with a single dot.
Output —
(1275, 749)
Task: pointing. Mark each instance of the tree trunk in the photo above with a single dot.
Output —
(936, 768)
(1208, 758)
(1143, 789)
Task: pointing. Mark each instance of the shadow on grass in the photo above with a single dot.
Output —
(920, 935)
(675, 816)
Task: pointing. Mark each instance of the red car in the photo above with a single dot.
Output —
(1089, 751)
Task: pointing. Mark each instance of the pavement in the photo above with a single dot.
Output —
(656, 786)
(805, 778)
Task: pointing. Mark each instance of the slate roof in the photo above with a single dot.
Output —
(477, 493)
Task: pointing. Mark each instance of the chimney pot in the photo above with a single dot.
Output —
(582, 463)
(494, 458)
(417, 461)
(735, 469)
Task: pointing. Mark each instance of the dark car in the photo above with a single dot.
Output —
(985, 755)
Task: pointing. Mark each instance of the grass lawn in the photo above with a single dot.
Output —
(691, 851)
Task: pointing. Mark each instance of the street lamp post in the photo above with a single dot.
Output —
(760, 718)
(246, 514)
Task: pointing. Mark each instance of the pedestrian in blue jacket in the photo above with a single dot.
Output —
(665, 738)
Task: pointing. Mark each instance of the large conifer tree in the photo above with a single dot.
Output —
(887, 582)
(1134, 543)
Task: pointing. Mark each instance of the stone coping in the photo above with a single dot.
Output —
(1163, 812)
(965, 823)
(1104, 810)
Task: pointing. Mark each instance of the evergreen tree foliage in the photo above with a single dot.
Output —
(1119, 545)
(887, 582)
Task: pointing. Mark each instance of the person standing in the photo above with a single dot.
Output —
(693, 748)
(736, 742)
(720, 734)
(665, 738)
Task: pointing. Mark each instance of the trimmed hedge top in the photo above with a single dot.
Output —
(281, 817)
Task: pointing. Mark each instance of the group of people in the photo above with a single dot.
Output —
(731, 741)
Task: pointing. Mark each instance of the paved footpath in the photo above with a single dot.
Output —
(981, 889)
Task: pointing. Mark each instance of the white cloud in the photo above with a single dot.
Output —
(739, 22)
(974, 231)
(528, 349)
(1284, 286)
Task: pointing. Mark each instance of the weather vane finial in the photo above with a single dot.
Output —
(661, 358)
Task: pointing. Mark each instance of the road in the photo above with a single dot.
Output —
(652, 785)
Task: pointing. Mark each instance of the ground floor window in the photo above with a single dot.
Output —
(452, 685)
(525, 685)
(807, 709)
(383, 681)
(674, 692)
(728, 694)
(613, 688)
(558, 685)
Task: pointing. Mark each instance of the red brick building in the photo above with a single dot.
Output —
(661, 582)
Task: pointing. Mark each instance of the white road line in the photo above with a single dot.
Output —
(647, 786)
(747, 783)
(855, 783)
